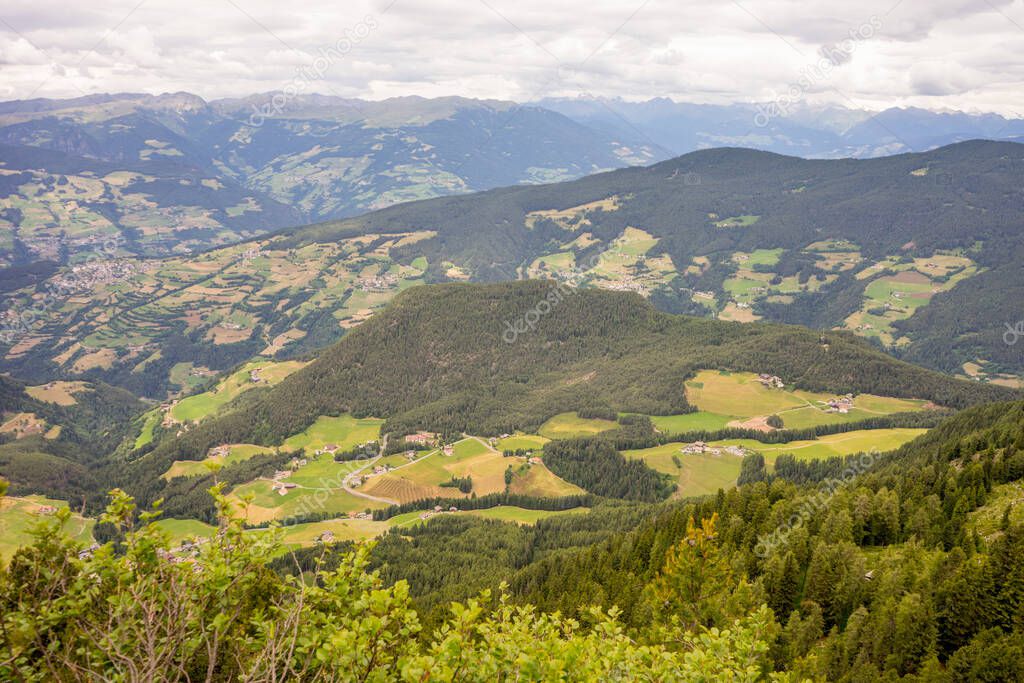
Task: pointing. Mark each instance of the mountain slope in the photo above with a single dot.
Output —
(819, 132)
(441, 358)
(876, 247)
(175, 174)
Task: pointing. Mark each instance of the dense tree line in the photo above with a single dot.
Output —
(484, 502)
(871, 566)
(596, 466)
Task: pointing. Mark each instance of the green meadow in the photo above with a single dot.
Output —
(571, 425)
(19, 516)
(344, 431)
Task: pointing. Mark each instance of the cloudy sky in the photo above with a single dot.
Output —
(958, 54)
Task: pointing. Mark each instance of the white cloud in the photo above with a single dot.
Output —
(944, 53)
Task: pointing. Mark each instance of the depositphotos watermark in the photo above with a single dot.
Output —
(325, 58)
(1013, 333)
(829, 57)
(813, 505)
(528, 321)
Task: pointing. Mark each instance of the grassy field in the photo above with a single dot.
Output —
(695, 475)
(195, 468)
(538, 480)
(508, 513)
(344, 431)
(145, 436)
(268, 505)
(470, 458)
(185, 529)
(679, 424)
(702, 474)
(422, 479)
(18, 516)
(61, 393)
(504, 513)
(571, 425)
(524, 442)
(846, 443)
(740, 396)
(200, 406)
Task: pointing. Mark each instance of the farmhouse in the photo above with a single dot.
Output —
(449, 449)
(326, 537)
(700, 447)
(771, 381)
(46, 510)
(329, 448)
(842, 404)
(535, 461)
(282, 474)
(219, 451)
(421, 438)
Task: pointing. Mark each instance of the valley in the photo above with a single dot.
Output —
(362, 454)
(790, 257)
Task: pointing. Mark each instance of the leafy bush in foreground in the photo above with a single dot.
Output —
(134, 612)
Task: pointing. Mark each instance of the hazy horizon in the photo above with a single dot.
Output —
(872, 55)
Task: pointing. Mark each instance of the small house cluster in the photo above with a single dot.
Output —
(427, 514)
(421, 438)
(841, 404)
(378, 283)
(700, 447)
(771, 381)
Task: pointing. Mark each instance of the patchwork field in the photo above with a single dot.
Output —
(124, 312)
(471, 457)
(899, 287)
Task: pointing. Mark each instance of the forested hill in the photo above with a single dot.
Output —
(841, 231)
(951, 197)
(444, 358)
(51, 434)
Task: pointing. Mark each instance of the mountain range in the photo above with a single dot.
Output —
(153, 175)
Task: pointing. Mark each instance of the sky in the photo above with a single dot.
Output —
(938, 54)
